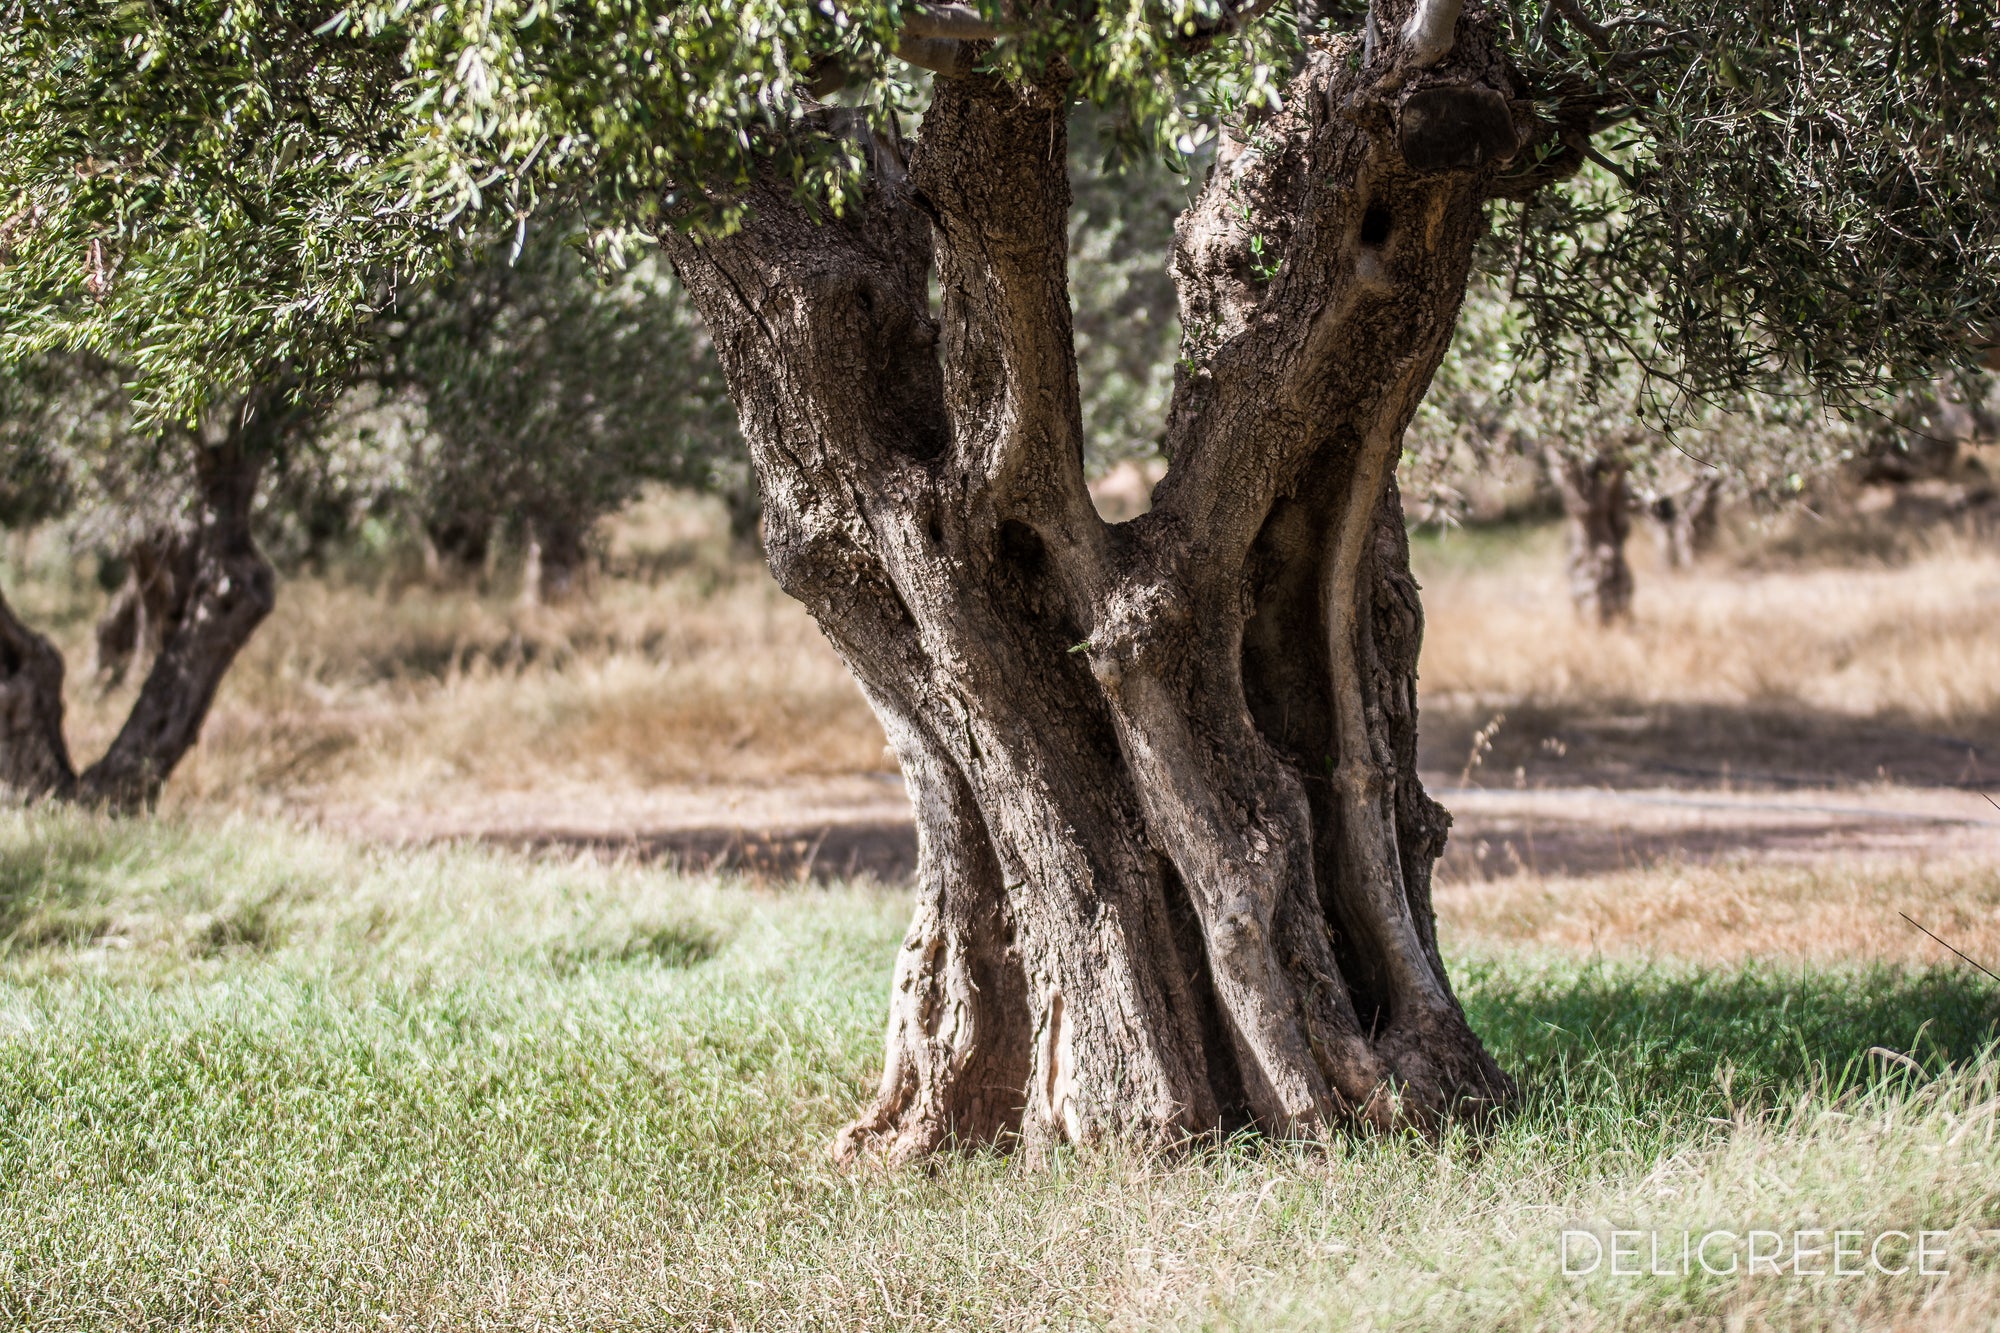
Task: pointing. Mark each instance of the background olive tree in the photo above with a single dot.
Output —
(549, 395)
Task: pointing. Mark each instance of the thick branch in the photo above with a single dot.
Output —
(1431, 31)
(1309, 271)
(958, 22)
(940, 55)
(993, 167)
(1367, 807)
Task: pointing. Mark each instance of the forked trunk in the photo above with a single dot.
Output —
(225, 592)
(230, 588)
(1175, 861)
(1686, 521)
(1598, 505)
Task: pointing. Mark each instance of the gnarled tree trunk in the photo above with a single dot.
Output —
(1175, 860)
(225, 590)
(1598, 505)
(230, 589)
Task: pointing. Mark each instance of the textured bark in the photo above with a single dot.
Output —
(1176, 859)
(1686, 520)
(34, 759)
(229, 590)
(1598, 505)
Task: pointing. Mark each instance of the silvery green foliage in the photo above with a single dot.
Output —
(1791, 192)
(216, 192)
(70, 451)
(548, 393)
(347, 480)
(1499, 391)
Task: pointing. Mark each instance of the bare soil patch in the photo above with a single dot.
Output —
(846, 827)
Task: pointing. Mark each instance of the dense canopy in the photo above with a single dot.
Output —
(213, 192)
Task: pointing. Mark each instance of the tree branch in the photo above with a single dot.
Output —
(1431, 31)
(954, 21)
(948, 56)
(1303, 270)
(992, 166)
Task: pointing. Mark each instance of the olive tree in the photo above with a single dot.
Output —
(548, 395)
(177, 502)
(1614, 441)
(1175, 858)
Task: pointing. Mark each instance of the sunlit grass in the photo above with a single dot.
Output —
(256, 1078)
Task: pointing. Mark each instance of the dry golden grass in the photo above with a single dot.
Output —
(1918, 641)
(1831, 911)
(686, 665)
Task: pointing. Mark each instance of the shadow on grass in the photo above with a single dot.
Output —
(1654, 1039)
(674, 944)
(1636, 743)
(48, 873)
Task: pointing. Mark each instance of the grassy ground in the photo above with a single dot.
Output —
(259, 1078)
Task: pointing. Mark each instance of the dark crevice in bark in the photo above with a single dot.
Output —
(1225, 1076)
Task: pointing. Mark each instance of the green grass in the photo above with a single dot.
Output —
(258, 1078)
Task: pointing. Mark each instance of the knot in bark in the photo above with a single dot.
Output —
(1141, 628)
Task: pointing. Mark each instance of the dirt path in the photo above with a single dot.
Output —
(860, 825)
(1591, 830)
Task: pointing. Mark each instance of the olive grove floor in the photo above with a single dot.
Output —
(402, 1016)
(257, 1077)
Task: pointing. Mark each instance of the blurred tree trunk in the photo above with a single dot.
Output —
(1175, 858)
(34, 758)
(154, 597)
(456, 550)
(1686, 521)
(221, 591)
(558, 561)
(1598, 506)
(207, 611)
